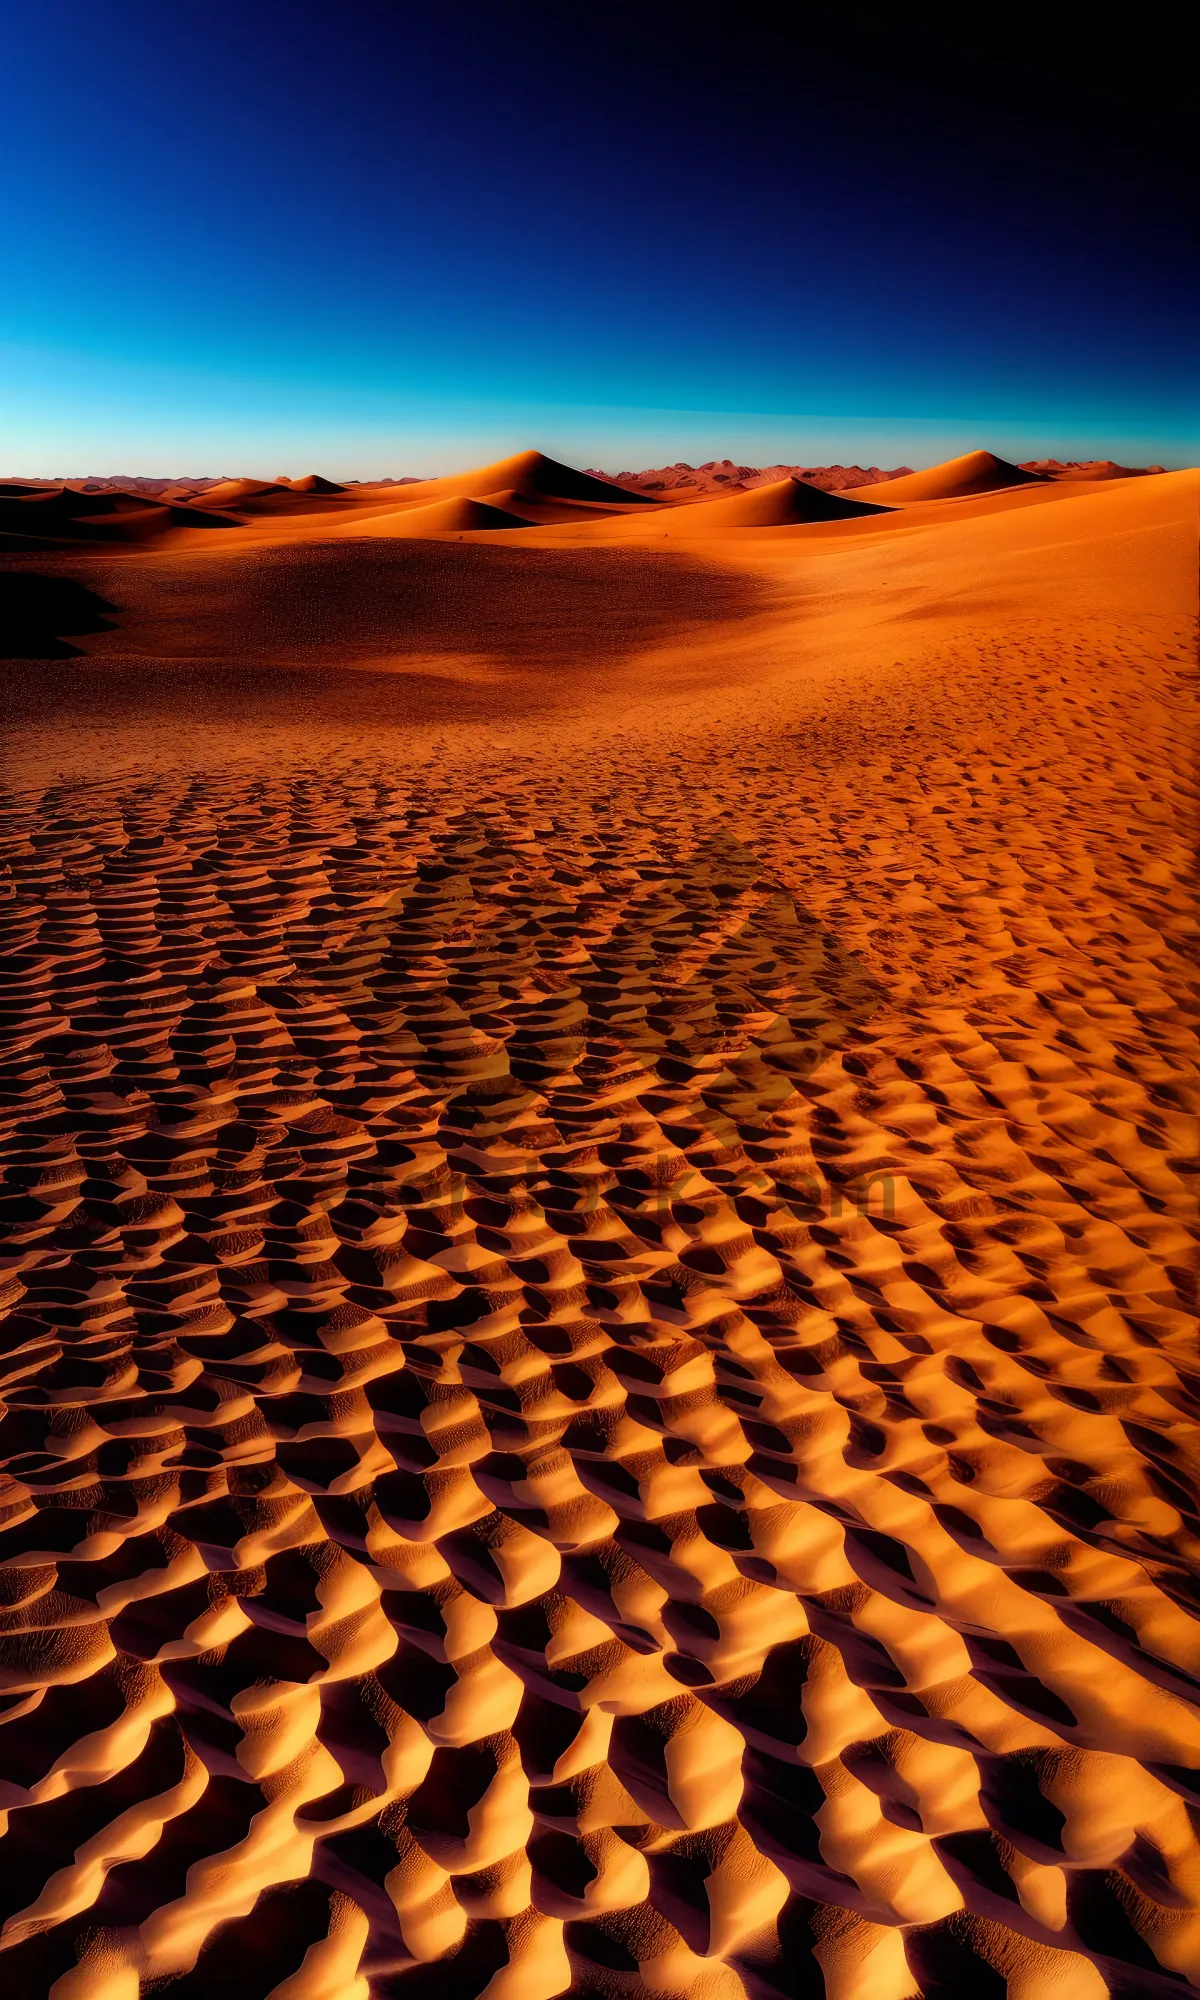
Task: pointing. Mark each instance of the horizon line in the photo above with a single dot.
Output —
(836, 463)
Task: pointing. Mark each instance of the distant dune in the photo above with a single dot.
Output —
(264, 496)
(525, 493)
(236, 492)
(720, 475)
(32, 517)
(677, 482)
(455, 515)
(530, 477)
(1087, 468)
(784, 503)
(156, 488)
(312, 482)
(957, 478)
(682, 481)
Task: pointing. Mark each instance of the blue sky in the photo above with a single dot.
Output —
(278, 237)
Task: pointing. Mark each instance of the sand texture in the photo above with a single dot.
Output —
(598, 1132)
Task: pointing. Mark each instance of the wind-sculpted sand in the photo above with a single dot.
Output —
(601, 1380)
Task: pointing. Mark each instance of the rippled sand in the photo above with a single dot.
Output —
(600, 1365)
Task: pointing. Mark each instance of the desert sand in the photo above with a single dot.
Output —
(599, 1148)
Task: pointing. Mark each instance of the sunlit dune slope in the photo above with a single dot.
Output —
(975, 472)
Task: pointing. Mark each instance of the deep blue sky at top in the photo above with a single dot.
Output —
(386, 237)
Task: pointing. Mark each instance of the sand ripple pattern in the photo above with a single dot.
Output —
(532, 1462)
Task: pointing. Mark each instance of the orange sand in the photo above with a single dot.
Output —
(598, 1133)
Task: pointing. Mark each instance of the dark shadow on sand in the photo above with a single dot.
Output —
(38, 612)
(348, 602)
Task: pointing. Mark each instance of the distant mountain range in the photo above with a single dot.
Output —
(721, 475)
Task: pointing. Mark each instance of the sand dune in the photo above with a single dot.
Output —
(529, 489)
(529, 474)
(454, 515)
(233, 491)
(312, 482)
(975, 472)
(323, 582)
(548, 510)
(1091, 468)
(62, 516)
(262, 496)
(785, 503)
(152, 488)
(599, 1386)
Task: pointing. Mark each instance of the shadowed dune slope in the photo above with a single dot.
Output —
(61, 516)
(40, 615)
(975, 472)
(384, 590)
